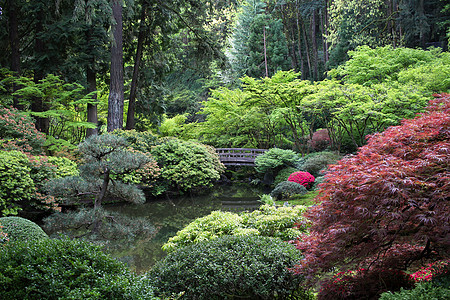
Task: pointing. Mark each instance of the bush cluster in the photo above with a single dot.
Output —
(187, 165)
(66, 269)
(274, 160)
(286, 189)
(283, 175)
(16, 184)
(20, 229)
(17, 132)
(303, 178)
(266, 221)
(317, 163)
(231, 267)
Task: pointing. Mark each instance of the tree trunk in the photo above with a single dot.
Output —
(299, 30)
(116, 87)
(92, 108)
(308, 59)
(131, 122)
(91, 78)
(37, 104)
(314, 45)
(265, 52)
(14, 44)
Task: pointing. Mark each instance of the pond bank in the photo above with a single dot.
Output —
(170, 216)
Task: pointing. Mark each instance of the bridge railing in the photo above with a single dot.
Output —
(238, 156)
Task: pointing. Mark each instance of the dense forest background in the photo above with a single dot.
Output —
(80, 66)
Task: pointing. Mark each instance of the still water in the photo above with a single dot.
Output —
(171, 215)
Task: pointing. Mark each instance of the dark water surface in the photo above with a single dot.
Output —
(170, 216)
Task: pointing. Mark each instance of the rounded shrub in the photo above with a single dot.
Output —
(66, 269)
(16, 184)
(187, 165)
(303, 178)
(286, 189)
(268, 220)
(20, 229)
(274, 160)
(231, 267)
(315, 163)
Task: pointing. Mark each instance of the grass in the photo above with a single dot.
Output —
(306, 199)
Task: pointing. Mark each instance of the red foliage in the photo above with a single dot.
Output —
(388, 205)
(303, 178)
(320, 140)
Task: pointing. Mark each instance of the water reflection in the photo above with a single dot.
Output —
(170, 216)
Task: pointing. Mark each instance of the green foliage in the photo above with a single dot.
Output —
(106, 158)
(422, 291)
(65, 105)
(17, 132)
(20, 229)
(3, 236)
(66, 269)
(16, 184)
(283, 175)
(172, 126)
(314, 163)
(64, 166)
(244, 267)
(266, 221)
(187, 165)
(287, 189)
(424, 69)
(275, 159)
(115, 226)
(140, 141)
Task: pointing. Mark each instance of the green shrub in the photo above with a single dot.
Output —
(217, 223)
(274, 160)
(316, 162)
(64, 166)
(286, 189)
(276, 221)
(187, 165)
(3, 236)
(16, 184)
(266, 221)
(20, 229)
(422, 291)
(141, 141)
(283, 175)
(231, 267)
(66, 269)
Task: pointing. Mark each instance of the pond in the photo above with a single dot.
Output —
(171, 215)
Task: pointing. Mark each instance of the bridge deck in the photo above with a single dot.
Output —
(238, 156)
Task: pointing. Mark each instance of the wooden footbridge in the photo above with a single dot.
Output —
(238, 156)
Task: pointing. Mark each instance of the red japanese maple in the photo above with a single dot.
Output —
(388, 205)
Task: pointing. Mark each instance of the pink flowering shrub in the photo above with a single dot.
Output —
(17, 132)
(363, 284)
(431, 271)
(303, 178)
